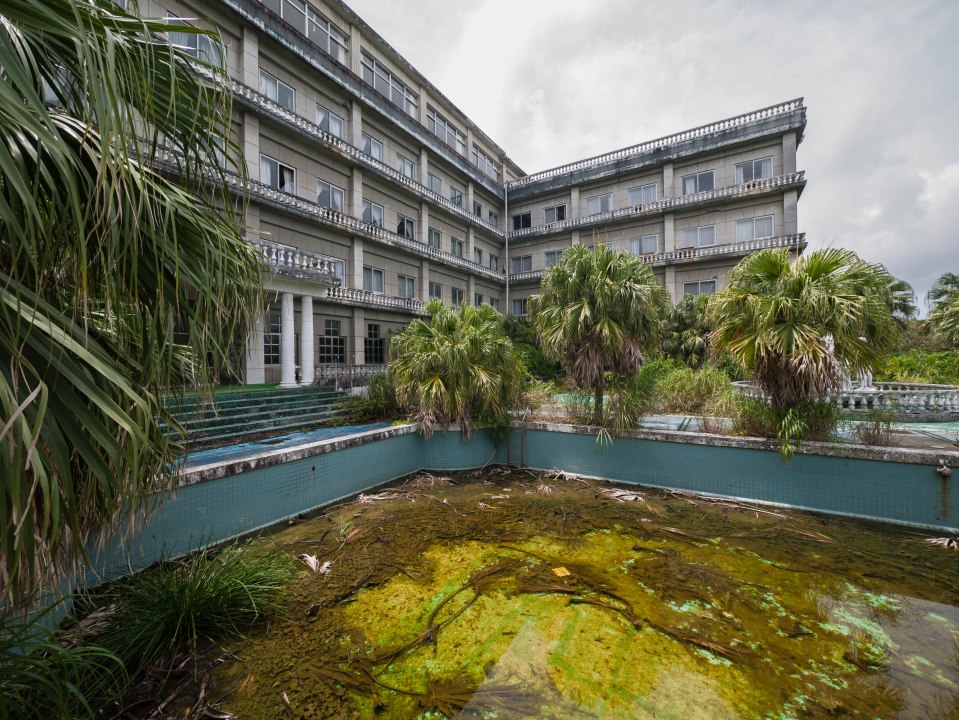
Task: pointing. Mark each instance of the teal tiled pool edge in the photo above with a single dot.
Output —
(219, 502)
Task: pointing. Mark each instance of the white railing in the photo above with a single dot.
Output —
(780, 182)
(346, 375)
(699, 253)
(254, 98)
(365, 298)
(904, 400)
(734, 122)
(738, 248)
(280, 258)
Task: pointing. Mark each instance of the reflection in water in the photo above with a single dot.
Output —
(521, 596)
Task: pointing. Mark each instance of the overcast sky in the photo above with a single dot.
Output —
(554, 81)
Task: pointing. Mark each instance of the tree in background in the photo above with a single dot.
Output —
(944, 300)
(102, 260)
(686, 331)
(799, 325)
(457, 367)
(598, 311)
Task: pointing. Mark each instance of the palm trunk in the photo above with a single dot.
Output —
(598, 402)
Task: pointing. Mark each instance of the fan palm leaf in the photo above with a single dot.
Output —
(104, 263)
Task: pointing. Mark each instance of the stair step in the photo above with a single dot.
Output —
(221, 415)
(249, 435)
(264, 424)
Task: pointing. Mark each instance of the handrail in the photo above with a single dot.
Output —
(665, 141)
(366, 298)
(294, 260)
(660, 206)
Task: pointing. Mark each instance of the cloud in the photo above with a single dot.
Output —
(553, 81)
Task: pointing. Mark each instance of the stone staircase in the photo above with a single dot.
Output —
(238, 417)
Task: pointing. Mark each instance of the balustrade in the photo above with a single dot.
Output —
(352, 296)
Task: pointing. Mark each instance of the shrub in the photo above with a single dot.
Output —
(378, 403)
(920, 366)
(876, 429)
(811, 420)
(177, 604)
(43, 676)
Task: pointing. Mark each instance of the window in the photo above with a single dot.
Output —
(330, 122)
(436, 185)
(703, 287)
(329, 195)
(405, 286)
(754, 170)
(556, 213)
(485, 164)
(699, 236)
(494, 262)
(645, 245)
(202, 47)
(519, 308)
(372, 147)
(332, 344)
(309, 22)
(522, 221)
(441, 127)
(405, 166)
(271, 341)
(374, 346)
(383, 81)
(277, 175)
(752, 228)
(456, 247)
(494, 219)
(436, 291)
(477, 209)
(700, 182)
(552, 256)
(405, 227)
(277, 90)
(456, 296)
(494, 303)
(641, 195)
(434, 238)
(456, 196)
(478, 299)
(339, 268)
(478, 256)
(372, 213)
(372, 279)
(520, 264)
(599, 204)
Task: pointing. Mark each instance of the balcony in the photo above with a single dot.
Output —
(685, 255)
(297, 264)
(775, 119)
(365, 298)
(249, 97)
(169, 161)
(732, 192)
(275, 27)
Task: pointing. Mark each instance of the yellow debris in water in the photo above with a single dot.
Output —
(560, 572)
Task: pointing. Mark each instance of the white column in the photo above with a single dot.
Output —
(287, 343)
(307, 341)
(254, 372)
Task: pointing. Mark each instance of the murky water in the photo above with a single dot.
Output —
(514, 595)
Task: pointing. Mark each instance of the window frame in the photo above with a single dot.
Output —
(443, 129)
(485, 164)
(695, 177)
(368, 213)
(401, 163)
(640, 242)
(640, 191)
(522, 307)
(331, 345)
(522, 221)
(699, 284)
(405, 286)
(478, 255)
(699, 231)
(752, 224)
(372, 272)
(523, 262)
(271, 77)
(399, 94)
(555, 257)
(457, 296)
(434, 238)
(435, 290)
(331, 188)
(279, 175)
(409, 226)
(456, 247)
(372, 142)
(556, 213)
(456, 196)
(607, 197)
(327, 124)
(436, 180)
(740, 170)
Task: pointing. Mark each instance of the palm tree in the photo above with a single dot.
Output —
(458, 366)
(943, 297)
(102, 260)
(597, 311)
(686, 331)
(799, 325)
(945, 287)
(902, 299)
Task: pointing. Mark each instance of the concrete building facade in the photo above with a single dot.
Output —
(370, 193)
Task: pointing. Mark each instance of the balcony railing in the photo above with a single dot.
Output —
(285, 34)
(169, 161)
(345, 376)
(692, 254)
(645, 147)
(797, 241)
(296, 263)
(365, 298)
(753, 187)
(251, 98)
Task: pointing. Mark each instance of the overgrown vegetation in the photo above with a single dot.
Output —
(815, 420)
(920, 366)
(875, 428)
(456, 367)
(378, 403)
(526, 344)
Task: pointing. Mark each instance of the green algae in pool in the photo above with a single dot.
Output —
(518, 595)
